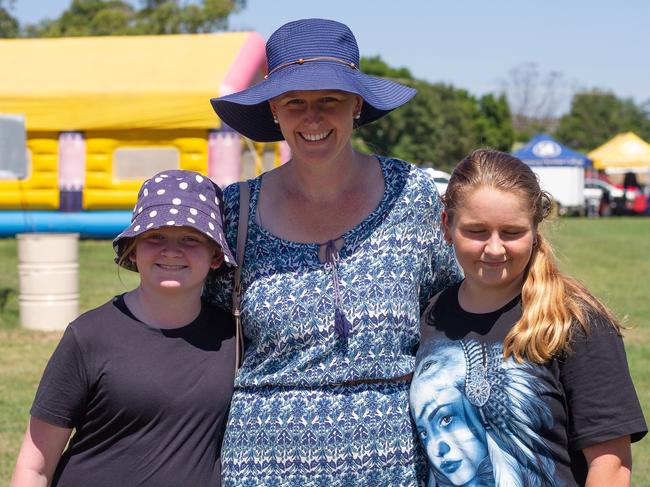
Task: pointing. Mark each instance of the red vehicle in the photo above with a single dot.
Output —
(611, 199)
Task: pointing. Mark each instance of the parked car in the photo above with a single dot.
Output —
(604, 198)
(440, 178)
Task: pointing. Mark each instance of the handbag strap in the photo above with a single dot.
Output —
(242, 233)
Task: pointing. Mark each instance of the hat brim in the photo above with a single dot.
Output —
(248, 111)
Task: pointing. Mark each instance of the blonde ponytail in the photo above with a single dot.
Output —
(552, 305)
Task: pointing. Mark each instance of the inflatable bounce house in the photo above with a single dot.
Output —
(101, 114)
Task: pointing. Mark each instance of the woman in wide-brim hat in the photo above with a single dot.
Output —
(343, 250)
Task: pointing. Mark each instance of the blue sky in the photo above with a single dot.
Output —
(472, 44)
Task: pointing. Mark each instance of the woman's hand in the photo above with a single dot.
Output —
(610, 463)
(39, 454)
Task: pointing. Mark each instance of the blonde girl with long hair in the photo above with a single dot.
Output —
(521, 377)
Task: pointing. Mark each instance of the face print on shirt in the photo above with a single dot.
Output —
(477, 417)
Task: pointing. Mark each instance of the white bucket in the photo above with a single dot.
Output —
(48, 279)
(48, 313)
(48, 271)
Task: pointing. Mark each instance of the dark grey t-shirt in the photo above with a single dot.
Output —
(149, 406)
(499, 422)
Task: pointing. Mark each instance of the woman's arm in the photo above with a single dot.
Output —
(39, 454)
(610, 463)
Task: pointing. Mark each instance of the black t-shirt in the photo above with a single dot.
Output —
(148, 405)
(500, 422)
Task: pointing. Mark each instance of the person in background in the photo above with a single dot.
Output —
(144, 380)
(521, 377)
(344, 249)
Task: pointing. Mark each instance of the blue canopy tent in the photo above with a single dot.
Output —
(543, 150)
(560, 171)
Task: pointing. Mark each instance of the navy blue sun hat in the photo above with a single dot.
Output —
(176, 198)
(308, 54)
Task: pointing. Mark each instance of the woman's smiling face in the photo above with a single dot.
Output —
(317, 124)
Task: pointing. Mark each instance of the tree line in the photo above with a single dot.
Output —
(119, 17)
(439, 127)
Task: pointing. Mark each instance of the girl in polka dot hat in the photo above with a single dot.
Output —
(176, 198)
(146, 379)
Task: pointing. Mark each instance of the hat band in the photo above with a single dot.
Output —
(319, 58)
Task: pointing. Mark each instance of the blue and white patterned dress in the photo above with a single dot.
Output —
(291, 422)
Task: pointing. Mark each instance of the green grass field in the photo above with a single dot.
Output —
(611, 256)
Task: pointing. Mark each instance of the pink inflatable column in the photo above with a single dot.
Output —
(72, 167)
(224, 156)
(224, 144)
(285, 152)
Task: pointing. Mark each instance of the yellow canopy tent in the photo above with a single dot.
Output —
(622, 153)
(125, 82)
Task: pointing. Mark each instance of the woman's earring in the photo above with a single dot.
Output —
(275, 120)
(357, 116)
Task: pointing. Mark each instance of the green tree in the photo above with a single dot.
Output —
(376, 66)
(119, 17)
(9, 26)
(494, 123)
(440, 126)
(437, 127)
(597, 116)
(87, 18)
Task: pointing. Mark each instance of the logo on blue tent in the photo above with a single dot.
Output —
(547, 148)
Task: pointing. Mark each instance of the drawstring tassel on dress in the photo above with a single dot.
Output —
(342, 326)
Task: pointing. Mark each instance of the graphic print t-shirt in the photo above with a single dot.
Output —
(487, 421)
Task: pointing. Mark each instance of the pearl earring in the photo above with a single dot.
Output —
(357, 116)
(275, 121)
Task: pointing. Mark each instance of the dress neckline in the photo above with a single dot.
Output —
(348, 236)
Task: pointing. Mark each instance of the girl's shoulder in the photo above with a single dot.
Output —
(96, 317)
(98, 323)
(600, 332)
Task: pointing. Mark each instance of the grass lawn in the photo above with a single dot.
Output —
(611, 256)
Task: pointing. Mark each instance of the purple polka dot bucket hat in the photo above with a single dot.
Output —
(177, 198)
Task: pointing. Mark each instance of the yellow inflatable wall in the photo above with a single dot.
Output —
(103, 191)
(39, 191)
